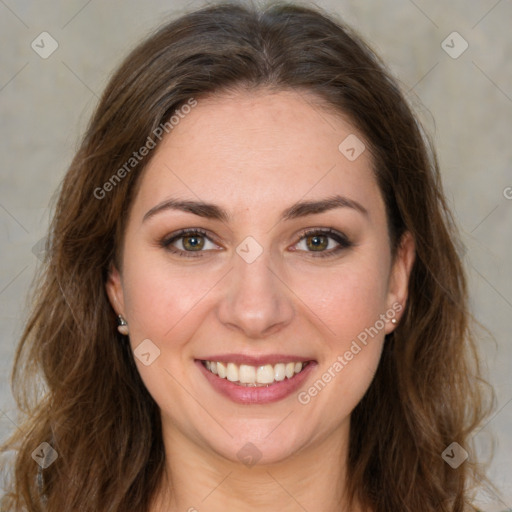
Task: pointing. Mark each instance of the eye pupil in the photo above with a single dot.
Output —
(319, 242)
(194, 241)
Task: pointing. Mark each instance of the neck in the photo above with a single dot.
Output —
(197, 479)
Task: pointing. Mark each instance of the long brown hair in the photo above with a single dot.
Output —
(74, 376)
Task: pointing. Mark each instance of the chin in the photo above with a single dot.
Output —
(251, 450)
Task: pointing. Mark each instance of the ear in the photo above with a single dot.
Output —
(398, 284)
(114, 287)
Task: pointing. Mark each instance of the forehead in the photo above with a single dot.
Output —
(260, 148)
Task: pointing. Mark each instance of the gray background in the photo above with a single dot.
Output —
(465, 102)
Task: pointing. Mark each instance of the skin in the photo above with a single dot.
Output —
(256, 154)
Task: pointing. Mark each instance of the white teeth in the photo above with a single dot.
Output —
(247, 375)
(290, 370)
(232, 372)
(279, 372)
(221, 370)
(265, 374)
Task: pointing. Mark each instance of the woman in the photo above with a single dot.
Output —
(252, 298)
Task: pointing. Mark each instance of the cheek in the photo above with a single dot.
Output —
(161, 298)
(347, 299)
(349, 303)
(163, 305)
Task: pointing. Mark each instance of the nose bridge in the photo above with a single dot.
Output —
(255, 301)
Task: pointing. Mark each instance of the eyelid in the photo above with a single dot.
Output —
(323, 231)
(339, 237)
(167, 241)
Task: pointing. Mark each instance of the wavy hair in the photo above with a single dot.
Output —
(74, 377)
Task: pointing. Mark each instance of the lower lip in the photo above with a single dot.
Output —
(260, 394)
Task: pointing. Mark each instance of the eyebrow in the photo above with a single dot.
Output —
(300, 209)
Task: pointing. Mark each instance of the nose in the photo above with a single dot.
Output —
(256, 301)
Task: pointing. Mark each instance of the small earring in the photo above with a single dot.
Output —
(122, 325)
(394, 321)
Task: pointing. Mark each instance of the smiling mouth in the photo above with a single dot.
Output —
(255, 376)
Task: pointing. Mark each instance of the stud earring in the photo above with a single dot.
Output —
(122, 325)
(394, 321)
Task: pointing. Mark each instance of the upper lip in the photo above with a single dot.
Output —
(256, 360)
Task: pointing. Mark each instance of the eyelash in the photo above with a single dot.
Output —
(342, 240)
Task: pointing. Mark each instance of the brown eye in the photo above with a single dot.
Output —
(187, 242)
(193, 242)
(317, 241)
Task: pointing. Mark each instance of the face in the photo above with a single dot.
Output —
(293, 300)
